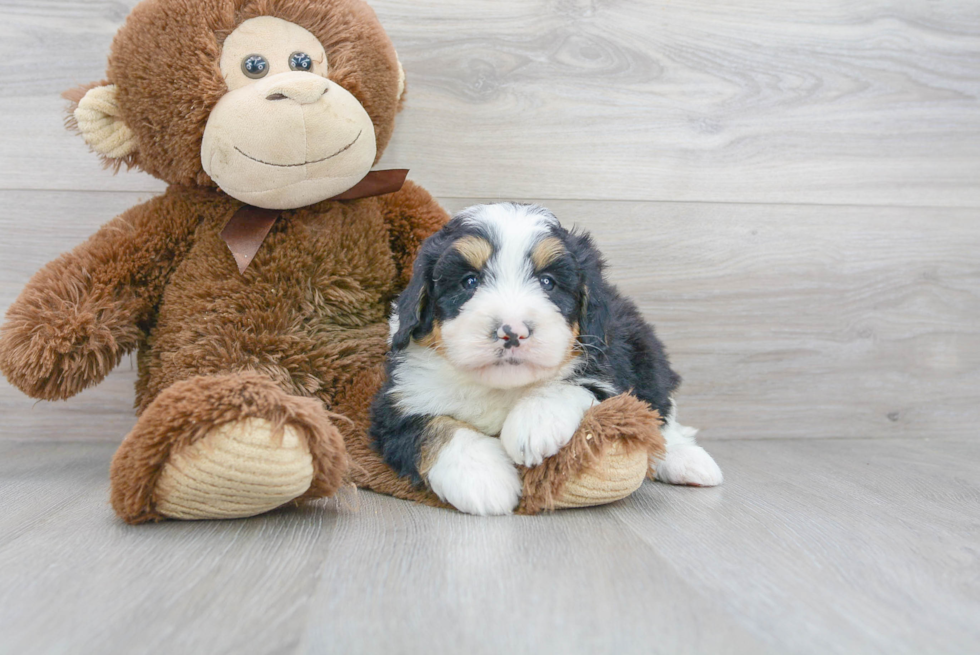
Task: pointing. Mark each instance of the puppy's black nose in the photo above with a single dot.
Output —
(513, 337)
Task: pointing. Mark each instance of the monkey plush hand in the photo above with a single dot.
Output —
(256, 288)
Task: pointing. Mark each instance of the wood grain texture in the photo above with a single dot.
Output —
(831, 102)
(53, 46)
(862, 546)
(871, 102)
(785, 321)
(404, 579)
(831, 546)
(76, 579)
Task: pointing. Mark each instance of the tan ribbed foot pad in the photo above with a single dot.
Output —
(238, 469)
(620, 474)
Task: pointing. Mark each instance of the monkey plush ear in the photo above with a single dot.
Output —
(97, 118)
(401, 80)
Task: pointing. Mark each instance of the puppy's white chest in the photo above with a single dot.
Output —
(425, 384)
(487, 412)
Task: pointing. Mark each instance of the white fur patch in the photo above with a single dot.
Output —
(543, 421)
(473, 474)
(689, 465)
(685, 462)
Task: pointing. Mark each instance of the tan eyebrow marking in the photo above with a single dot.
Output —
(476, 250)
(547, 251)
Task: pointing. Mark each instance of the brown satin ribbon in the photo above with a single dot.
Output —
(247, 228)
(375, 183)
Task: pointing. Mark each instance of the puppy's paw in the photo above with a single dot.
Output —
(543, 422)
(473, 474)
(690, 465)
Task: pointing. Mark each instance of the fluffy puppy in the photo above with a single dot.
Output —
(505, 336)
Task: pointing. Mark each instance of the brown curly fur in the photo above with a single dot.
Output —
(300, 337)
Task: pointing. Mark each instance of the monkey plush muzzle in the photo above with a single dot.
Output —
(288, 141)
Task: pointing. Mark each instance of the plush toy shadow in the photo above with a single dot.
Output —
(256, 288)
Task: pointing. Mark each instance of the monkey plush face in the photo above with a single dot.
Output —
(279, 103)
(284, 135)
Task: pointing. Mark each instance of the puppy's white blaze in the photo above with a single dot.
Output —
(517, 219)
(543, 421)
(685, 462)
(473, 474)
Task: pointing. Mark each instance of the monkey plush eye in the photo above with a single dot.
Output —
(255, 66)
(470, 281)
(547, 282)
(300, 61)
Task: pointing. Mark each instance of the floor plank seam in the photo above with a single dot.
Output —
(546, 199)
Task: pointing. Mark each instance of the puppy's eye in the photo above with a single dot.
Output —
(470, 281)
(547, 282)
(300, 61)
(255, 66)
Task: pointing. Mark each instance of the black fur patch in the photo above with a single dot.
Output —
(397, 436)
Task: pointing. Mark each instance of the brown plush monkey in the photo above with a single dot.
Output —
(256, 288)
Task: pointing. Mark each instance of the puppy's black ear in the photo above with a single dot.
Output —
(414, 306)
(594, 309)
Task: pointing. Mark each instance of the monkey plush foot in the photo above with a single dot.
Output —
(238, 469)
(225, 446)
(606, 460)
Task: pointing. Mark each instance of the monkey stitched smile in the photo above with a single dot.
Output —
(316, 161)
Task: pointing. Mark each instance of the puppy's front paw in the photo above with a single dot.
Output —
(473, 474)
(689, 465)
(541, 424)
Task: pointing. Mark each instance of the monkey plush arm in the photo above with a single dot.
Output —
(412, 216)
(82, 312)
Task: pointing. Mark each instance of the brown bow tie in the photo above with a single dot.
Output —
(247, 228)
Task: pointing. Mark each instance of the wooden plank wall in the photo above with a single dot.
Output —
(790, 190)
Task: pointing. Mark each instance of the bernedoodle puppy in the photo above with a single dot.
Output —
(505, 336)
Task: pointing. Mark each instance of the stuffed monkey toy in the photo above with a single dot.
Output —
(255, 290)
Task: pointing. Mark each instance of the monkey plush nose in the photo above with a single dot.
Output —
(513, 335)
(304, 88)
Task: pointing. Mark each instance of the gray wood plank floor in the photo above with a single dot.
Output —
(811, 546)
